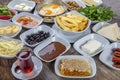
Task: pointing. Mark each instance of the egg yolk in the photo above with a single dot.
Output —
(54, 6)
(48, 12)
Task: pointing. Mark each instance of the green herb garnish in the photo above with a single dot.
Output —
(97, 13)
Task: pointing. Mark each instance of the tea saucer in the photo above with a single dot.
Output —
(37, 69)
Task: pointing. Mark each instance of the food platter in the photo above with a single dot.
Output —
(10, 47)
(75, 4)
(91, 61)
(107, 54)
(9, 29)
(69, 26)
(13, 4)
(78, 44)
(32, 20)
(102, 25)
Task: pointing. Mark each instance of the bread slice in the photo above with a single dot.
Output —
(108, 32)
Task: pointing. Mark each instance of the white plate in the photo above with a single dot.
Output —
(9, 39)
(77, 1)
(106, 55)
(89, 59)
(77, 45)
(34, 30)
(73, 35)
(53, 39)
(98, 1)
(37, 69)
(5, 23)
(12, 4)
(69, 38)
(100, 25)
(27, 14)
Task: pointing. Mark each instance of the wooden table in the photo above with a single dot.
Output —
(47, 73)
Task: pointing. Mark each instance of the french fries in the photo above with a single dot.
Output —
(72, 22)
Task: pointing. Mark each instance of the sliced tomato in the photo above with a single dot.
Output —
(5, 17)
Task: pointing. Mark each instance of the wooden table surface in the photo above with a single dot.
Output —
(47, 73)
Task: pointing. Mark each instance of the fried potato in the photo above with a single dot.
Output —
(72, 22)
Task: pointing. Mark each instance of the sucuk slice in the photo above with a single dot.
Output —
(116, 49)
(116, 65)
(117, 54)
(5, 17)
(115, 59)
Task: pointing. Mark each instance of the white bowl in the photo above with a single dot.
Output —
(9, 38)
(34, 30)
(53, 39)
(89, 59)
(98, 1)
(12, 4)
(77, 45)
(27, 14)
(77, 1)
(100, 25)
(106, 55)
(4, 23)
(73, 35)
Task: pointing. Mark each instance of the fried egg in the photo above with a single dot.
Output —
(51, 10)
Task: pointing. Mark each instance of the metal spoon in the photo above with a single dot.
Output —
(17, 70)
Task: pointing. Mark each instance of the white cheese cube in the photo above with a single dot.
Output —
(91, 46)
(18, 7)
(26, 8)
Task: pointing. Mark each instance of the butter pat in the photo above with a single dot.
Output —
(91, 46)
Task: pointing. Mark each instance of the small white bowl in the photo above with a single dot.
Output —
(89, 59)
(77, 1)
(12, 4)
(77, 45)
(9, 38)
(34, 30)
(5, 23)
(100, 2)
(106, 55)
(100, 25)
(73, 35)
(53, 39)
(27, 14)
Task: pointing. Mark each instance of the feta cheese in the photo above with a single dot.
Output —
(22, 6)
(27, 8)
(91, 46)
